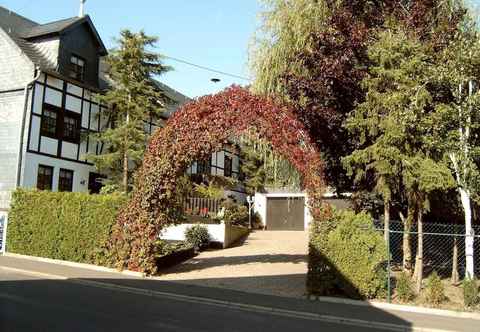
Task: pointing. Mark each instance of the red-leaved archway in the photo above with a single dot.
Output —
(194, 132)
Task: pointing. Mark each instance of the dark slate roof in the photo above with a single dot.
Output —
(50, 28)
(177, 97)
(24, 31)
(58, 27)
(14, 23)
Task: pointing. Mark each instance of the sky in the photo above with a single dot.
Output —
(210, 33)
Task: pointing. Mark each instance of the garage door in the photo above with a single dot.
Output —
(285, 213)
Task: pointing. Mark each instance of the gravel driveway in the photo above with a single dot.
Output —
(267, 262)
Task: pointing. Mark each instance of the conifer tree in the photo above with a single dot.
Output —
(132, 99)
(395, 128)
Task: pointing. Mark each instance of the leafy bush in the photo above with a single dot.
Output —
(346, 256)
(470, 292)
(209, 191)
(235, 213)
(197, 236)
(404, 287)
(164, 248)
(434, 290)
(59, 225)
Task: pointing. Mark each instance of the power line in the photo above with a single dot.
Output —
(25, 5)
(207, 68)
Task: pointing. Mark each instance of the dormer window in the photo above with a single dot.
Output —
(77, 68)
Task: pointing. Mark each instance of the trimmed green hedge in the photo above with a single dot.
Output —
(346, 256)
(59, 225)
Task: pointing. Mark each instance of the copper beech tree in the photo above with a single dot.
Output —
(194, 132)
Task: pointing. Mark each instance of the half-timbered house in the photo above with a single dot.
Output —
(49, 76)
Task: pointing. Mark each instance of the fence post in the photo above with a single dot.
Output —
(4, 234)
(389, 284)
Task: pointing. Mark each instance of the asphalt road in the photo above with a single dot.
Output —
(34, 304)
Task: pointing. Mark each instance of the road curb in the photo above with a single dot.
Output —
(229, 304)
(376, 304)
(78, 265)
(401, 307)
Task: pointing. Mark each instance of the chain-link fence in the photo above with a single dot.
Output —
(443, 247)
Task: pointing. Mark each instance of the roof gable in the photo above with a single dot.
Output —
(62, 27)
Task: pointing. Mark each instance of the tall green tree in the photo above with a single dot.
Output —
(132, 99)
(458, 113)
(313, 53)
(394, 126)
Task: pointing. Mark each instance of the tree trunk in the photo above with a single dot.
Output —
(455, 275)
(407, 251)
(418, 274)
(125, 172)
(125, 160)
(386, 221)
(467, 208)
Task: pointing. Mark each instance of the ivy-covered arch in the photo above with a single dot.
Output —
(194, 132)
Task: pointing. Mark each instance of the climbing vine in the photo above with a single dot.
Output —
(194, 132)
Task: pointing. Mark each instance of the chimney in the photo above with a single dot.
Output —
(81, 12)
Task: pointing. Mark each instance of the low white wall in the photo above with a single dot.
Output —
(177, 232)
(233, 234)
(223, 233)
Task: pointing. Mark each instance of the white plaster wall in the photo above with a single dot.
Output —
(94, 117)
(53, 97)
(55, 82)
(38, 99)
(11, 109)
(74, 90)
(233, 234)
(34, 133)
(80, 176)
(83, 149)
(86, 106)
(260, 207)
(16, 70)
(73, 104)
(48, 145)
(177, 232)
(92, 145)
(69, 150)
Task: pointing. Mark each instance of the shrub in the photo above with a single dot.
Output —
(197, 236)
(59, 225)
(434, 290)
(404, 287)
(346, 256)
(470, 292)
(235, 213)
(164, 248)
